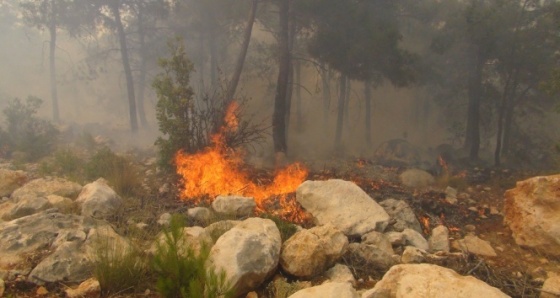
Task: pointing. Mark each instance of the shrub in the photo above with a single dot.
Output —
(26, 133)
(64, 162)
(181, 272)
(119, 269)
(121, 174)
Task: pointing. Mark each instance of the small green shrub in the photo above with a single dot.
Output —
(181, 272)
(286, 228)
(32, 137)
(66, 163)
(121, 174)
(119, 269)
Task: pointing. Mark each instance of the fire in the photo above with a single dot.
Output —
(443, 165)
(217, 170)
(425, 221)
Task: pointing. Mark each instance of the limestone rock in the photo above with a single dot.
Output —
(439, 241)
(429, 281)
(88, 288)
(234, 205)
(199, 214)
(217, 229)
(190, 238)
(380, 240)
(164, 219)
(61, 203)
(369, 255)
(328, 290)
(2, 287)
(551, 287)
(532, 212)
(340, 273)
(413, 254)
(473, 244)
(248, 253)
(416, 178)
(343, 204)
(98, 200)
(396, 238)
(415, 239)
(26, 206)
(43, 187)
(401, 214)
(10, 181)
(310, 252)
(67, 263)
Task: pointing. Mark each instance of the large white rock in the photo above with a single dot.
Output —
(429, 281)
(551, 287)
(402, 216)
(328, 290)
(27, 206)
(10, 181)
(342, 204)
(98, 200)
(532, 212)
(248, 253)
(43, 187)
(311, 252)
(439, 241)
(234, 205)
(473, 244)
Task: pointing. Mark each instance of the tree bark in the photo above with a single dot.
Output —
(367, 96)
(232, 86)
(338, 148)
(297, 86)
(52, 63)
(126, 64)
(279, 115)
(143, 68)
(347, 105)
(472, 137)
(326, 81)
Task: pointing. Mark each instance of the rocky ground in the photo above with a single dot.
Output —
(373, 231)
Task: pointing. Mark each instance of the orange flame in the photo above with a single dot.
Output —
(217, 170)
(443, 164)
(425, 221)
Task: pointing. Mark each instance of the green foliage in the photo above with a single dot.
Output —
(181, 270)
(286, 228)
(121, 174)
(281, 288)
(175, 109)
(119, 269)
(25, 133)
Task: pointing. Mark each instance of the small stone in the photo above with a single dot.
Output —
(473, 209)
(477, 246)
(412, 254)
(494, 210)
(340, 273)
(415, 239)
(543, 261)
(2, 287)
(464, 196)
(164, 219)
(487, 188)
(252, 295)
(500, 249)
(41, 291)
(141, 225)
(200, 214)
(470, 228)
(396, 238)
(88, 288)
(439, 241)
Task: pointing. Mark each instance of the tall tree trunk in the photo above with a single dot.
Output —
(472, 137)
(213, 59)
(201, 64)
(326, 82)
(232, 86)
(297, 86)
(126, 64)
(291, 86)
(279, 115)
(338, 148)
(52, 66)
(143, 68)
(347, 105)
(367, 96)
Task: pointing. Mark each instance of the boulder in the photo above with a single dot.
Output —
(429, 281)
(413, 254)
(10, 181)
(217, 229)
(200, 214)
(27, 206)
(67, 263)
(380, 240)
(416, 178)
(234, 205)
(402, 216)
(248, 253)
(343, 204)
(88, 288)
(43, 187)
(532, 212)
(63, 204)
(310, 252)
(98, 200)
(551, 287)
(328, 290)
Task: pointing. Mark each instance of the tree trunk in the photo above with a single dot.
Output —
(279, 115)
(213, 59)
(347, 105)
(143, 68)
(297, 86)
(367, 96)
(232, 86)
(338, 148)
(472, 138)
(291, 86)
(52, 64)
(126, 64)
(326, 81)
